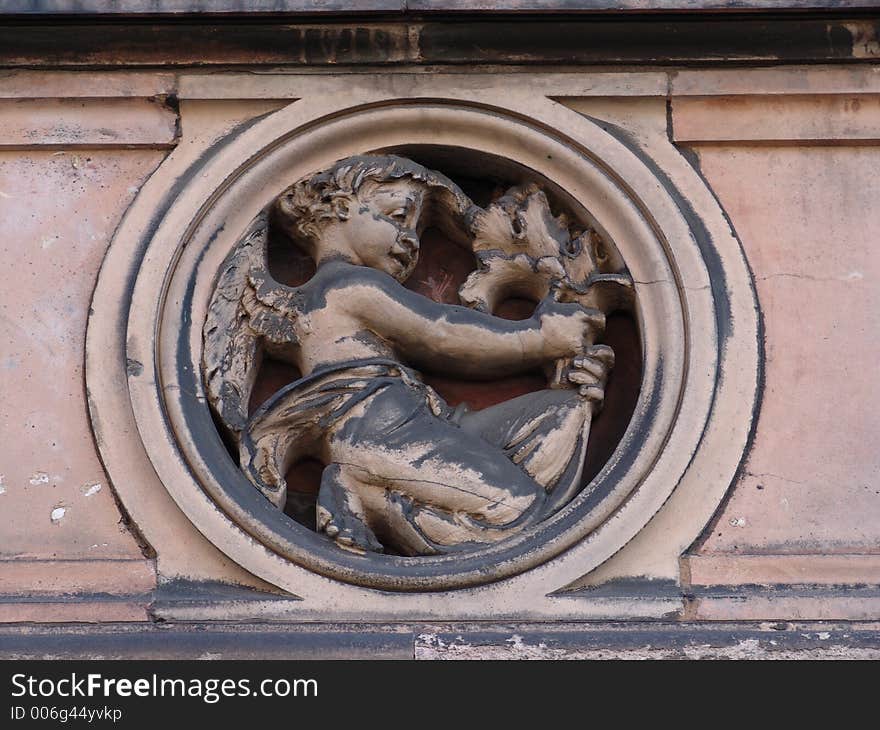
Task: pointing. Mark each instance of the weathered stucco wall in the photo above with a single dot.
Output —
(795, 176)
(809, 225)
(58, 211)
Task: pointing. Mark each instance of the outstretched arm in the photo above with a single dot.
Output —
(452, 339)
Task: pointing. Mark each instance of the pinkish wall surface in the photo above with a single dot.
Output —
(808, 220)
(58, 211)
(804, 205)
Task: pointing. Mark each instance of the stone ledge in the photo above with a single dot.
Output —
(777, 119)
(37, 578)
(653, 641)
(64, 609)
(631, 603)
(787, 81)
(89, 85)
(645, 640)
(128, 123)
(782, 603)
(733, 570)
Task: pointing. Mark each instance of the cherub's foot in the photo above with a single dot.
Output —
(340, 514)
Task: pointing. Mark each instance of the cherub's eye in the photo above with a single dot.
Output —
(398, 214)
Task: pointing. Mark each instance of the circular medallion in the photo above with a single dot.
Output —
(373, 342)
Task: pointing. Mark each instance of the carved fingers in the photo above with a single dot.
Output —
(590, 371)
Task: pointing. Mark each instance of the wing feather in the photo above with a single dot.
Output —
(247, 309)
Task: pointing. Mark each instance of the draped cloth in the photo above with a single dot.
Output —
(541, 433)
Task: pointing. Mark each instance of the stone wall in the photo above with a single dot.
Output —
(779, 116)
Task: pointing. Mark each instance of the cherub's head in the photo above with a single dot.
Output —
(367, 210)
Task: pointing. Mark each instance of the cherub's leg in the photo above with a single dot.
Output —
(340, 511)
(428, 486)
(546, 432)
(445, 467)
(437, 507)
(542, 432)
(349, 506)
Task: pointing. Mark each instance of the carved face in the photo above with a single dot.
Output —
(381, 228)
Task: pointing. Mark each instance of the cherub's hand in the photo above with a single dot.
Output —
(590, 372)
(566, 327)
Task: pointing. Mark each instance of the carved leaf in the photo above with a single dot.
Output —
(523, 250)
(520, 222)
(500, 277)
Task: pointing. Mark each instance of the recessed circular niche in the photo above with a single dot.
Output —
(671, 336)
(443, 267)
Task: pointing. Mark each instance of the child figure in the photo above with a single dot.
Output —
(403, 468)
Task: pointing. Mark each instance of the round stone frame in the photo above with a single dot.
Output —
(695, 306)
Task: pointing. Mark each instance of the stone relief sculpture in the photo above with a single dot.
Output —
(404, 471)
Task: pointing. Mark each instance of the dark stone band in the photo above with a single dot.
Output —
(414, 641)
(113, 41)
(181, 8)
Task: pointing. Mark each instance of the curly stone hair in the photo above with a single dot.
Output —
(304, 209)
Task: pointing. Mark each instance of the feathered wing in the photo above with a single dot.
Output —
(248, 310)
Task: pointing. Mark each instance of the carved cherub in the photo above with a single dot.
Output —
(403, 468)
